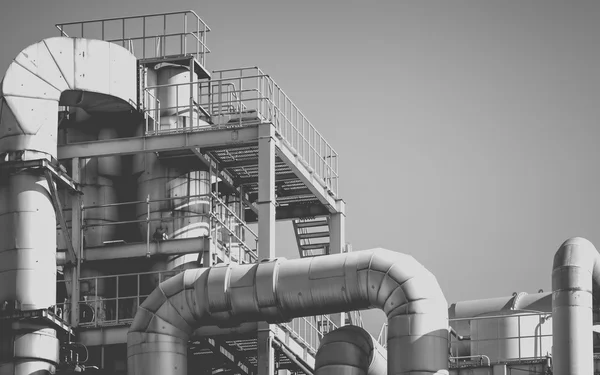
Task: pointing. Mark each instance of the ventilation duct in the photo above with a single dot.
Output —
(279, 290)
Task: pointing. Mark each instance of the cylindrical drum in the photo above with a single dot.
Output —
(28, 244)
(176, 93)
(512, 336)
(109, 166)
(98, 220)
(179, 207)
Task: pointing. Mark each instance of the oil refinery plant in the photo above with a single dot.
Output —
(139, 192)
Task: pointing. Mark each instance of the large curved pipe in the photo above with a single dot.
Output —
(350, 350)
(575, 272)
(95, 75)
(279, 290)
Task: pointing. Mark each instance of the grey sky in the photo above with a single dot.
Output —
(467, 129)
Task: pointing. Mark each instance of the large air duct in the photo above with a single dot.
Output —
(280, 290)
(350, 350)
(95, 75)
(575, 273)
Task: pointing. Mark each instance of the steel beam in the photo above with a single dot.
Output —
(278, 178)
(293, 211)
(309, 179)
(103, 336)
(266, 192)
(160, 143)
(266, 234)
(138, 250)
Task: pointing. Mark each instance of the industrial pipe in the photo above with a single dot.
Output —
(280, 290)
(96, 75)
(350, 350)
(575, 273)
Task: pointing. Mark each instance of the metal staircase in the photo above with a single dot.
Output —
(312, 236)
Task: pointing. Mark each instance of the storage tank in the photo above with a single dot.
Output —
(511, 335)
(176, 213)
(175, 98)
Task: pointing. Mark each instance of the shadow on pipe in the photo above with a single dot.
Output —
(280, 290)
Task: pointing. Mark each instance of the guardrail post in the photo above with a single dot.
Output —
(148, 226)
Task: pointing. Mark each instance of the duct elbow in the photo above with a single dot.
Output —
(350, 350)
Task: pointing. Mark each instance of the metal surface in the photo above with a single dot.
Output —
(97, 76)
(34, 350)
(27, 271)
(350, 350)
(461, 314)
(575, 273)
(279, 290)
(94, 75)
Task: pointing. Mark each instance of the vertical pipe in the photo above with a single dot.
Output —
(575, 272)
(77, 236)
(143, 37)
(117, 301)
(164, 36)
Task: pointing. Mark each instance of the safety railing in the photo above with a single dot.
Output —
(239, 241)
(239, 97)
(108, 300)
(356, 318)
(111, 299)
(501, 338)
(172, 218)
(310, 330)
(148, 36)
(528, 345)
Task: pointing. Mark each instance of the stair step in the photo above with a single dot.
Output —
(314, 246)
(312, 224)
(303, 236)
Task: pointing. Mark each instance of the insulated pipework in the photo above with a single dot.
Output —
(575, 273)
(280, 290)
(350, 350)
(52, 72)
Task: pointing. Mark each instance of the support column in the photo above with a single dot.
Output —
(337, 229)
(266, 234)
(77, 241)
(337, 244)
(266, 191)
(266, 352)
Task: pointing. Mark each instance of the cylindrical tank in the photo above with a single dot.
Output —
(514, 335)
(109, 166)
(175, 97)
(179, 213)
(28, 245)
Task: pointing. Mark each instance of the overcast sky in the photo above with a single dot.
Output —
(467, 130)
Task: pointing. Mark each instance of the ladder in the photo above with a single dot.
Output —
(312, 236)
